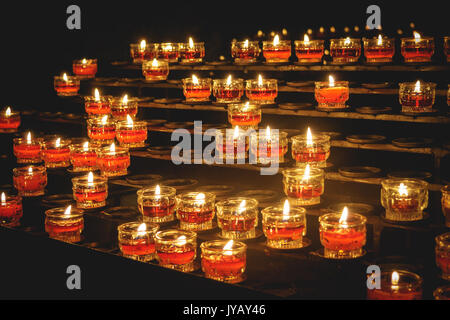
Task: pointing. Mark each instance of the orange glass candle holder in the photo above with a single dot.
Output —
(245, 52)
(10, 210)
(137, 240)
(85, 68)
(303, 186)
(261, 91)
(313, 150)
(27, 150)
(346, 50)
(113, 161)
(231, 144)
(197, 89)
(64, 224)
(237, 218)
(101, 130)
(443, 254)
(90, 191)
(195, 210)
(66, 85)
(342, 238)
(56, 153)
(142, 51)
(169, 51)
(331, 95)
(30, 181)
(445, 203)
(155, 70)
(121, 107)
(157, 203)
(244, 115)
(417, 48)
(83, 157)
(9, 120)
(176, 249)
(131, 134)
(269, 145)
(224, 260)
(192, 52)
(309, 51)
(417, 97)
(397, 285)
(228, 90)
(97, 105)
(379, 50)
(277, 51)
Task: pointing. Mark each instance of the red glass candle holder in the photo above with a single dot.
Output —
(445, 203)
(56, 153)
(131, 134)
(197, 89)
(244, 115)
(443, 255)
(417, 97)
(447, 48)
(269, 145)
(231, 144)
(408, 286)
(245, 52)
(237, 218)
(121, 107)
(137, 240)
(261, 91)
(228, 90)
(10, 210)
(85, 68)
(157, 203)
(155, 70)
(113, 161)
(83, 157)
(314, 151)
(97, 105)
(417, 49)
(303, 186)
(309, 51)
(284, 227)
(169, 51)
(30, 181)
(101, 130)
(176, 249)
(342, 238)
(90, 191)
(331, 95)
(143, 51)
(192, 52)
(224, 260)
(27, 150)
(9, 120)
(345, 50)
(66, 85)
(64, 224)
(277, 51)
(195, 210)
(379, 50)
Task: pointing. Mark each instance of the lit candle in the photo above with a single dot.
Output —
(157, 204)
(176, 249)
(131, 134)
(262, 91)
(83, 157)
(244, 115)
(331, 95)
(30, 181)
(277, 51)
(66, 85)
(443, 255)
(113, 161)
(137, 240)
(237, 218)
(417, 97)
(269, 146)
(228, 90)
(56, 153)
(9, 121)
(417, 48)
(101, 130)
(397, 285)
(10, 210)
(96, 104)
(306, 150)
(169, 51)
(309, 51)
(303, 186)
(379, 50)
(143, 51)
(245, 52)
(196, 90)
(27, 150)
(64, 224)
(192, 52)
(121, 107)
(231, 144)
(155, 70)
(90, 191)
(195, 210)
(85, 68)
(345, 50)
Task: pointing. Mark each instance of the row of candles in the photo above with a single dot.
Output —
(342, 50)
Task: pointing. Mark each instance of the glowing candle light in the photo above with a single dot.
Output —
(64, 224)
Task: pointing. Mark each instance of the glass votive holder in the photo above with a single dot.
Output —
(417, 49)
(447, 48)
(143, 51)
(90, 191)
(448, 96)
(85, 68)
(237, 218)
(176, 249)
(123, 106)
(169, 51)
(9, 120)
(56, 153)
(131, 134)
(245, 52)
(342, 238)
(309, 51)
(314, 151)
(417, 97)
(113, 161)
(269, 146)
(379, 50)
(445, 203)
(331, 95)
(231, 143)
(101, 130)
(66, 85)
(27, 150)
(97, 105)
(64, 224)
(404, 199)
(197, 89)
(192, 53)
(442, 293)
(228, 90)
(83, 157)
(244, 115)
(195, 210)
(261, 91)
(30, 181)
(10, 210)
(157, 203)
(345, 50)
(137, 240)
(155, 70)
(224, 260)
(443, 254)
(277, 51)
(284, 228)
(397, 285)
(303, 186)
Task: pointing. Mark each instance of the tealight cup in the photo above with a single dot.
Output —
(176, 249)
(64, 225)
(135, 243)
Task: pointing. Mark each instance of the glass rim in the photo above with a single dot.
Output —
(80, 145)
(250, 203)
(344, 83)
(267, 80)
(395, 182)
(131, 100)
(164, 62)
(217, 246)
(224, 81)
(442, 291)
(69, 77)
(133, 225)
(298, 172)
(261, 133)
(98, 120)
(147, 44)
(427, 38)
(413, 84)
(39, 169)
(80, 61)
(124, 122)
(52, 143)
(443, 240)
(270, 42)
(59, 213)
(149, 191)
(277, 211)
(189, 80)
(317, 41)
(118, 151)
(12, 198)
(316, 138)
(20, 140)
(243, 41)
(332, 219)
(343, 39)
(168, 235)
(445, 189)
(83, 180)
(190, 196)
(417, 280)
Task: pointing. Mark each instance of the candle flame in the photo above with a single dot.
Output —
(306, 39)
(90, 178)
(125, 99)
(194, 79)
(276, 40)
(200, 199)
(155, 63)
(260, 80)
(67, 211)
(242, 206)
(286, 208)
(86, 146)
(3, 199)
(104, 119)
(344, 215)
(96, 95)
(142, 45)
(347, 41)
(330, 81)
(168, 47)
(306, 174)
(8, 112)
(58, 143)
(309, 138)
(395, 278)
(236, 133)
(191, 43)
(268, 133)
(30, 170)
(112, 148)
(157, 190)
(246, 44)
(84, 61)
(141, 229)
(417, 86)
(229, 80)
(29, 137)
(416, 36)
(228, 247)
(129, 120)
(380, 40)
(181, 241)
(65, 77)
(246, 106)
(402, 190)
